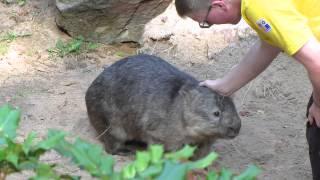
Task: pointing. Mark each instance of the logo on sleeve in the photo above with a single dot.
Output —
(263, 24)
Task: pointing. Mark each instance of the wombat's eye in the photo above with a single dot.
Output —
(217, 113)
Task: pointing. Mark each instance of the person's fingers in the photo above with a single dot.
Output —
(202, 83)
(205, 83)
(317, 122)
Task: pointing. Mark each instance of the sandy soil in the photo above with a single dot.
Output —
(50, 90)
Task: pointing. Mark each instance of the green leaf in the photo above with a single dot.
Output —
(115, 176)
(212, 176)
(225, 174)
(9, 121)
(13, 158)
(156, 152)
(121, 54)
(75, 45)
(12, 153)
(60, 44)
(28, 165)
(185, 153)
(4, 47)
(85, 156)
(53, 139)
(27, 144)
(249, 174)
(92, 46)
(129, 171)
(106, 165)
(35, 153)
(151, 171)
(3, 141)
(80, 155)
(21, 2)
(142, 161)
(2, 153)
(173, 170)
(9, 37)
(203, 163)
(64, 148)
(4, 111)
(44, 172)
(66, 177)
(93, 151)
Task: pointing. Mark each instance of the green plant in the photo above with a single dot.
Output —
(9, 37)
(121, 54)
(19, 2)
(6, 39)
(151, 164)
(3, 48)
(75, 45)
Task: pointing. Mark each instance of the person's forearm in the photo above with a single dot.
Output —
(309, 56)
(314, 76)
(255, 61)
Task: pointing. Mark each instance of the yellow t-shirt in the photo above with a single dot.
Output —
(287, 24)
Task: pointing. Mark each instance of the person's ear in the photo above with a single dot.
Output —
(219, 3)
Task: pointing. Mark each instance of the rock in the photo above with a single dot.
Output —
(107, 21)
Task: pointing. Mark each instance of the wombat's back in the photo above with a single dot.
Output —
(139, 77)
(147, 73)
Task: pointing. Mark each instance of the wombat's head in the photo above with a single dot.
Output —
(208, 114)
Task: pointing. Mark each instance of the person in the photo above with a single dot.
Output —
(292, 26)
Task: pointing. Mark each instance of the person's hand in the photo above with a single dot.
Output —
(215, 85)
(314, 114)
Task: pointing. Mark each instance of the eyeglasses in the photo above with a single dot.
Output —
(205, 23)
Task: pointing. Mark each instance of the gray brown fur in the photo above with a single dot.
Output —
(143, 98)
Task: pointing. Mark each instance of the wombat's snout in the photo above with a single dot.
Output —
(233, 131)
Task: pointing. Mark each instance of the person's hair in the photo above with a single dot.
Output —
(185, 7)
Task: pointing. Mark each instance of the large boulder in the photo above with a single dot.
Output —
(107, 21)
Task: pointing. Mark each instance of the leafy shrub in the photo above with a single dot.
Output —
(151, 164)
(11, 36)
(75, 45)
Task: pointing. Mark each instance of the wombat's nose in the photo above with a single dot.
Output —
(233, 131)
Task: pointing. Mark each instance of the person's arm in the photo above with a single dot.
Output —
(309, 56)
(254, 62)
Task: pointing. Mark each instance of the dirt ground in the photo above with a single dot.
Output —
(50, 90)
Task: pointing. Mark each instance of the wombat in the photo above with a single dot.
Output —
(145, 100)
